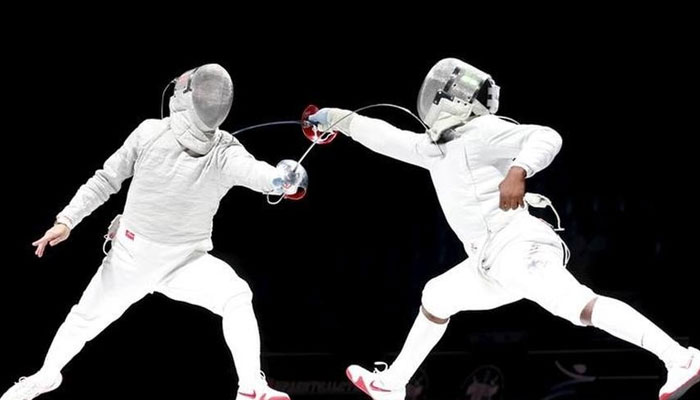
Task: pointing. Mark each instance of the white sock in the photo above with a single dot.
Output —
(626, 323)
(243, 339)
(67, 343)
(423, 336)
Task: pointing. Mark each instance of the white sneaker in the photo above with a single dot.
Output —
(681, 377)
(258, 391)
(371, 383)
(28, 388)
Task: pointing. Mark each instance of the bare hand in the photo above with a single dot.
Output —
(52, 237)
(512, 189)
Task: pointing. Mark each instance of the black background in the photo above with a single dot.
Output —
(340, 273)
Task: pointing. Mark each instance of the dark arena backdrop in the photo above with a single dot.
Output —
(337, 277)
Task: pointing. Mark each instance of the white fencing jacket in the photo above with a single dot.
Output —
(466, 171)
(173, 196)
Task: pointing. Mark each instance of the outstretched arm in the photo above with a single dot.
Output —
(241, 168)
(375, 134)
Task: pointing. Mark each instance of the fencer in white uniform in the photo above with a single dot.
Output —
(181, 167)
(478, 163)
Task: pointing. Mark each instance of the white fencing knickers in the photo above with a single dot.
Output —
(526, 259)
(136, 266)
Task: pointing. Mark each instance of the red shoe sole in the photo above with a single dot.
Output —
(360, 383)
(684, 388)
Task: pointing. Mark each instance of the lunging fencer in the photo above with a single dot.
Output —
(479, 163)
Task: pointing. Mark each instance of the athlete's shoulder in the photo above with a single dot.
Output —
(153, 125)
(488, 120)
(150, 127)
(147, 131)
(227, 140)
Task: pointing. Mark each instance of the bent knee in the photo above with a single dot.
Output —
(242, 296)
(587, 312)
(432, 317)
(436, 302)
(572, 304)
